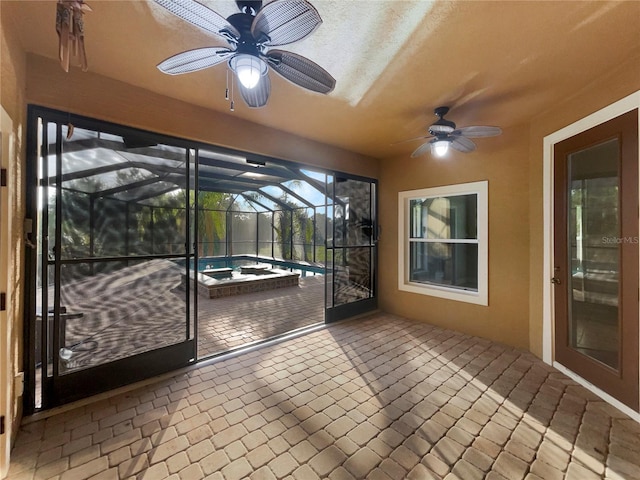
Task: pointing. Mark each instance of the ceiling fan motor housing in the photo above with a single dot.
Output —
(441, 126)
(246, 43)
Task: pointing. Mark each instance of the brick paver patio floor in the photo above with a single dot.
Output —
(378, 398)
(230, 322)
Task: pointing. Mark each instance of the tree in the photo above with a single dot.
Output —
(212, 222)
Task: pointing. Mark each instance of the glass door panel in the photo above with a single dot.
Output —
(118, 309)
(594, 262)
(352, 275)
(109, 295)
(352, 249)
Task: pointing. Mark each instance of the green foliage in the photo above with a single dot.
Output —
(110, 227)
(212, 222)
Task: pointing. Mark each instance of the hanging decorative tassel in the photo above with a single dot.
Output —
(70, 28)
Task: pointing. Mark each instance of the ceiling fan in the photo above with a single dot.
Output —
(250, 35)
(444, 134)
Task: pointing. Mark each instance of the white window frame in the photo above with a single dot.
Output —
(479, 297)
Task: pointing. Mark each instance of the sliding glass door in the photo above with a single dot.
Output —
(143, 246)
(110, 226)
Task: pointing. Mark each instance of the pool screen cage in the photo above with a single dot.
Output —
(123, 195)
(248, 227)
(121, 221)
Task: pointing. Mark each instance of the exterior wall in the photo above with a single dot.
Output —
(595, 95)
(12, 94)
(106, 99)
(503, 161)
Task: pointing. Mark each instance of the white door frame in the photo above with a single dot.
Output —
(6, 362)
(614, 110)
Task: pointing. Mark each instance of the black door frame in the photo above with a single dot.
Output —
(59, 389)
(359, 307)
(88, 382)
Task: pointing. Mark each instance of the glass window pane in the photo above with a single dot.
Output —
(441, 218)
(309, 192)
(446, 231)
(447, 264)
(75, 225)
(121, 197)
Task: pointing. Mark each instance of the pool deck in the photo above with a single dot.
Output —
(230, 322)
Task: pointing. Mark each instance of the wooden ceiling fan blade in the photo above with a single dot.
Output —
(194, 60)
(478, 131)
(301, 71)
(422, 149)
(422, 137)
(202, 17)
(285, 21)
(462, 144)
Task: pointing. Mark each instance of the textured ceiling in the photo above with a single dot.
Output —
(494, 62)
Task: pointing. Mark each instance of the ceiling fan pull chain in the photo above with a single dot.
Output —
(232, 102)
(226, 92)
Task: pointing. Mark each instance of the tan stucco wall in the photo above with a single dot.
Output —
(106, 99)
(12, 98)
(596, 94)
(513, 166)
(503, 161)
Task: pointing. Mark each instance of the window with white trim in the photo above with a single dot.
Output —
(443, 242)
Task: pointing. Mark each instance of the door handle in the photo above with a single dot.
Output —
(556, 281)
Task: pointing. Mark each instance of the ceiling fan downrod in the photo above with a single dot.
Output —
(250, 7)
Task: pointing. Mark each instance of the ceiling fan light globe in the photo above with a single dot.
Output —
(440, 148)
(248, 69)
(248, 76)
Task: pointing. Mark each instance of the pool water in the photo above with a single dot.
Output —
(238, 261)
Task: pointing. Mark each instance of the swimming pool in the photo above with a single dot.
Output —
(237, 261)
